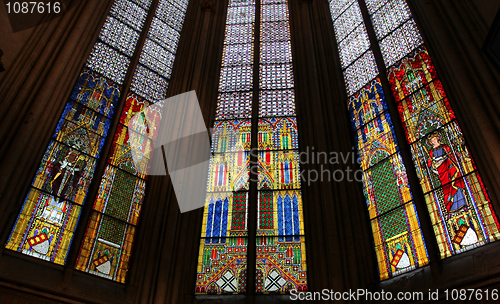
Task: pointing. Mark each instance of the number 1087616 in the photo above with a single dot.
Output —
(33, 7)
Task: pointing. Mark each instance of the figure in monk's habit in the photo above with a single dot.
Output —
(65, 178)
(443, 162)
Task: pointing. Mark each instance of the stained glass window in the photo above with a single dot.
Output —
(109, 236)
(51, 211)
(45, 226)
(461, 213)
(281, 260)
(398, 239)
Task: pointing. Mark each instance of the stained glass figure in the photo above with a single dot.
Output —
(459, 207)
(399, 243)
(109, 237)
(53, 204)
(46, 224)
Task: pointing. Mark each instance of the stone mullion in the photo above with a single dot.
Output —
(253, 196)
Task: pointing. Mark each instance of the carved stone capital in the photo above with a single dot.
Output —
(208, 5)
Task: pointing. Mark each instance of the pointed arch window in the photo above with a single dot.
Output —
(256, 97)
(459, 208)
(96, 117)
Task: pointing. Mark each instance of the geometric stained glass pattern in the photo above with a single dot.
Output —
(354, 46)
(367, 104)
(280, 264)
(239, 33)
(400, 42)
(127, 205)
(234, 105)
(277, 103)
(348, 21)
(279, 170)
(390, 16)
(357, 60)
(386, 184)
(108, 62)
(274, 31)
(238, 78)
(274, 12)
(172, 13)
(360, 72)
(157, 58)
(337, 7)
(164, 35)
(129, 13)
(113, 30)
(222, 266)
(278, 133)
(281, 257)
(222, 261)
(237, 54)
(240, 14)
(231, 136)
(276, 76)
(275, 52)
(149, 84)
(374, 5)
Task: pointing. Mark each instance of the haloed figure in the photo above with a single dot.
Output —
(443, 162)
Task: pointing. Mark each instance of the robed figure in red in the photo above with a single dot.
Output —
(442, 161)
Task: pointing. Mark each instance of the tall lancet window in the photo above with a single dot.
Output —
(256, 96)
(60, 189)
(461, 214)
